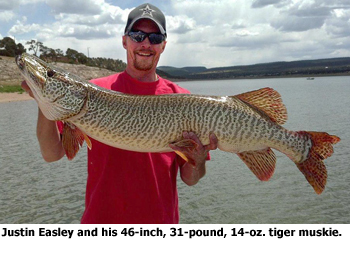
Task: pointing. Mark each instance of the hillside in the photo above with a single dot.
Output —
(332, 66)
(10, 75)
(182, 72)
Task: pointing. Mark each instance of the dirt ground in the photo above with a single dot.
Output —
(9, 97)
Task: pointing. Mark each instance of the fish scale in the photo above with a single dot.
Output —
(247, 124)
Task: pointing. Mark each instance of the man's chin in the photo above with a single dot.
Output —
(143, 67)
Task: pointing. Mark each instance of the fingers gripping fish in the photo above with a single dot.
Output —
(247, 124)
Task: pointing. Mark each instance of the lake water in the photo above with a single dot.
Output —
(32, 191)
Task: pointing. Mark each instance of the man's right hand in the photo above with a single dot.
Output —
(47, 133)
(26, 88)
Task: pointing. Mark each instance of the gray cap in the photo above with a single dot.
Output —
(146, 11)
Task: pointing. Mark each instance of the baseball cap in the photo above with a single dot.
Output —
(146, 11)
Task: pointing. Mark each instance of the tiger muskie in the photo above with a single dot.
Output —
(247, 124)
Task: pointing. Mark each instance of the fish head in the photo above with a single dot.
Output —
(60, 95)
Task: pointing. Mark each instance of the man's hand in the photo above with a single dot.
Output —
(47, 133)
(193, 149)
(196, 153)
(27, 88)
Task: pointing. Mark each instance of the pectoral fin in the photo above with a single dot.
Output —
(73, 139)
(87, 140)
(182, 155)
(262, 163)
(187, 144)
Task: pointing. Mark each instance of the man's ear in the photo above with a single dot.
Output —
(124, 41)
(164, 44)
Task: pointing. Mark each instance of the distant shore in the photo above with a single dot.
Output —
(16, 96)
(11, 97)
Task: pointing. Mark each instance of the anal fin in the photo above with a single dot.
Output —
(262, 163)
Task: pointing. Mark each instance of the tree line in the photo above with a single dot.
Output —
(8, 47)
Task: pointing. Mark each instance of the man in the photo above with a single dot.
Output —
(125, 186)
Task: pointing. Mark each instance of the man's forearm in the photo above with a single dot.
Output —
(49, 139)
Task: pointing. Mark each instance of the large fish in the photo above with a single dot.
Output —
(247, 124)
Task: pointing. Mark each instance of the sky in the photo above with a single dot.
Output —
(211, 33)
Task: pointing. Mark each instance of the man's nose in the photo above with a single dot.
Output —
(146, 43)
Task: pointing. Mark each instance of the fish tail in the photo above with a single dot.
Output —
(313, 167)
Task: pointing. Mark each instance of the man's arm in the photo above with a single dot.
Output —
(48, 135)
(194, 168)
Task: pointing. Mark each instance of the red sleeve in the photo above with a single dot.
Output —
(208, 157)
(60, 126)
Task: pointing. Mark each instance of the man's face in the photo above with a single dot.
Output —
(143, 56)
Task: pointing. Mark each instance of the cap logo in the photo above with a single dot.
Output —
(147, 11)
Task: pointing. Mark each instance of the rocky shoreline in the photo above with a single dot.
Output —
(10, 74)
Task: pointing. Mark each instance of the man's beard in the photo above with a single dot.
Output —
(143, 65)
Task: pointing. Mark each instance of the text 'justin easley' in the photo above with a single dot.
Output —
(41, 232)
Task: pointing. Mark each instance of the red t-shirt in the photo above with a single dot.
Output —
(132, 187)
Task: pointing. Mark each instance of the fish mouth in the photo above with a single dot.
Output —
(34, 77)
(19, 62)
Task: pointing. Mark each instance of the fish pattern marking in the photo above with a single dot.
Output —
(247, 124)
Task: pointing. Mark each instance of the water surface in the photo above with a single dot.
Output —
(33, 191)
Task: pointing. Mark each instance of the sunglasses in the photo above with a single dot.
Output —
(154, 38)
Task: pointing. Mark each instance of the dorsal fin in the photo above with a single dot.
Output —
(268, 101)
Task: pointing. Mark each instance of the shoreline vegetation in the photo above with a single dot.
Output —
(90, 67)
(10, 78)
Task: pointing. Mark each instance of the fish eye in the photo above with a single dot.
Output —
(50, 73)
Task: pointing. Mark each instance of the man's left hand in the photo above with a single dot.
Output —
(193, 149)
(195, 153)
